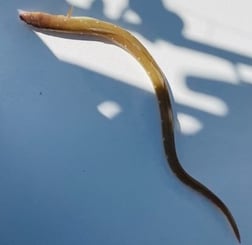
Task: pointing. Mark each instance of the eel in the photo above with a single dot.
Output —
(91, 27)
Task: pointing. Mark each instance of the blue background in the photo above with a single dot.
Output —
(70, 176)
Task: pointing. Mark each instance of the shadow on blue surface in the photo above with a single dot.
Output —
(160, 23)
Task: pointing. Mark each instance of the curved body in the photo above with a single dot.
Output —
(122, 38)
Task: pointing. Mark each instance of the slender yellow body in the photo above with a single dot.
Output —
(122, 38)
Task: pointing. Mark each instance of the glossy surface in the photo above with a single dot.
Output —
(122, 38)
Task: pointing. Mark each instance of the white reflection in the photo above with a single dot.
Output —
(206, 23)
(188, 124)
(178, 63)
(86, 4)
(109, 109)
(245, 72)
(100, 57)
(114, 9)
(132, 17)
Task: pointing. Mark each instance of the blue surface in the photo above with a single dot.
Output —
(70, 176)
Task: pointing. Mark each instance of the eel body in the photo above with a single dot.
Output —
(93, 27)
